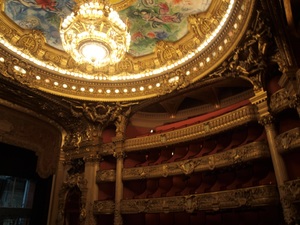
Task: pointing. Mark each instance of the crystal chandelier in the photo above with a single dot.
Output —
(94, 34)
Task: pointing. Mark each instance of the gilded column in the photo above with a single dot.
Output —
(266, 119)
(121, 118)
(119, 155)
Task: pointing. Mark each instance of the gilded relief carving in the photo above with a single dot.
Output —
(289, 194)
(31, 41)
(51, 57)
(292, 190)
(232, 157)
(190, 204)
(187, 166)
(249, 61)
(105, 175)
(7, 32)
(294, 101)
(95, 117)
(251, 197)
(166, 52)
(205, 25)
(106, 207)
(279, 101)
(288, 140)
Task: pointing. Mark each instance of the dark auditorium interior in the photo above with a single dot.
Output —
(198, 124)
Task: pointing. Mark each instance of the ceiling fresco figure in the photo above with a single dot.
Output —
(43, 15)
(153, 20)
(149, 21)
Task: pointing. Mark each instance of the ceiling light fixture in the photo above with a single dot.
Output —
(94, 34)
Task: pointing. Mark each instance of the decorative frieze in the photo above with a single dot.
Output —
(214, 201)
(232, 157)
(289, 140)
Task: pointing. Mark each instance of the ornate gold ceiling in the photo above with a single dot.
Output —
(26, 56)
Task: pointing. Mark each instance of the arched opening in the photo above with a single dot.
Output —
(73, 206)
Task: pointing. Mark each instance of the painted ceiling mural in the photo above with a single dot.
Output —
(148, 20)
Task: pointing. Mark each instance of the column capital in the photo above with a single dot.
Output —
(266, 120)
(93, 157)
(119, 155)
(260, 100)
